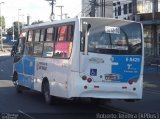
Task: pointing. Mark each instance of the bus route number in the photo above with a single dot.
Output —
(134, 59)
(113, 30)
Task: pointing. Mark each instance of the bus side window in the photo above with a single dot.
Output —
(30, 36)
(63, 46)
(62, 32)
(42, 36)
(48, 49)
(70, 32)
(29, 48)
(37, 35)
(37, 45)
(37, 50)
(63, 49)
(49, 34)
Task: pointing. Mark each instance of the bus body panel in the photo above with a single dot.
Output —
(110, 74)
(103, 90)
(114, 71)
(25, 69)
(117, 67)
(52, 69)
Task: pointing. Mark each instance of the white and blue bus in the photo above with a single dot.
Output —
(95, 58)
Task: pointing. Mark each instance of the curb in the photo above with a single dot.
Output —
(6, 54)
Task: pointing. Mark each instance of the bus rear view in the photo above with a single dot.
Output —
(111, 59)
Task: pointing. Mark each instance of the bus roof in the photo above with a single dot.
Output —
(67, 20)
(49, 23)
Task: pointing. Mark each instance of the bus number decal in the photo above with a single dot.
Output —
(111, 29)
(133, 59)
(41, 66)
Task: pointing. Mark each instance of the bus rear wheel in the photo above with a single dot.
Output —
(46, 92)
(19, 89)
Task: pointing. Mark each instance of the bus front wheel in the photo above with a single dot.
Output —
(46, 92)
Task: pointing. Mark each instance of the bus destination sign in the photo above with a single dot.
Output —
(113, 30)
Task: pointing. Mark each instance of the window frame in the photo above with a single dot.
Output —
(66, 35)
(119, 10)
(53, 49)
(125, 8)
(54, 38)
(39, 30)
(130, 6)
(34, 44)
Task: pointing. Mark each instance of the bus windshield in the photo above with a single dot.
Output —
(114, 37)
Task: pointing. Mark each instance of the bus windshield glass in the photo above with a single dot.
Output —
(108, 36)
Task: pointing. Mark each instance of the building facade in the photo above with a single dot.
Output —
(145, 11)
(149, 14)
(119, 9)
(97, 8)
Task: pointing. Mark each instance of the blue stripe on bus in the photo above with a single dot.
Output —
(18, 66)
(29, 64)
(25, 68)
(126, 67)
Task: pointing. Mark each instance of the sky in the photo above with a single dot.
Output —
(36, 9)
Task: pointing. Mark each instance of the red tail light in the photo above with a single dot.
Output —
(132, 80)
(89, 80)
(135, 80)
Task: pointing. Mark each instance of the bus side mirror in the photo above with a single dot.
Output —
(88, 27)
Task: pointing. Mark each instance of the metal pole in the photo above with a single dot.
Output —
(104, 8)
(52, 16)
(134, 7)
(28, 20)
(13, 31)
(18, 22)
(65, 15)
(101, 8)
(93, 8)
(61, 10)
(52, 7)
(1, 25)
(52, 3)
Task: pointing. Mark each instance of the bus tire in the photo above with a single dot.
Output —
(15, 77)
(130, 100)
(95, 101)
(19, 89)
(46, 92)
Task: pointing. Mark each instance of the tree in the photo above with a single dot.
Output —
(10, 30)
(3, 22)
(37, 22)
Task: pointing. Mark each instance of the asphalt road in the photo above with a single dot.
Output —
(6, 67)
(31, 105)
